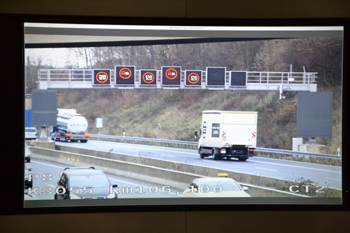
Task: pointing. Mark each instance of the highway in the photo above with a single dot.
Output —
(48, 173)
(319, 174)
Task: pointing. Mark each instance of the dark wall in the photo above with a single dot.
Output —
(234, 221)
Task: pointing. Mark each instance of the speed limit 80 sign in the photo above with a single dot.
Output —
(148, 77)
(193, 77)
(101, 77)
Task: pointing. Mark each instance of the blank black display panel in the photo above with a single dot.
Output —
(238, 78)
(216, 76)
(314, 114)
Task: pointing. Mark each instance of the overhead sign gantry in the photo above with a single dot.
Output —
(213, 78)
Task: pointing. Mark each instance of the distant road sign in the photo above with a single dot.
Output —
(171, 75)
(193, 77)
(101, 77)
(216, 76)
(125, 75)
(99, 122)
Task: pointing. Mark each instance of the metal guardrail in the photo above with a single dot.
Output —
(326, 159)
(145, 139)
(282, 77)
(149, 141)
(276, 153)
(296, 153)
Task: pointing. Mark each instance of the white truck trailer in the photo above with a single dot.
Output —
(71, 126)
(228, 134)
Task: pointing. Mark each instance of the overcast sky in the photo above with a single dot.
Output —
(56, 57)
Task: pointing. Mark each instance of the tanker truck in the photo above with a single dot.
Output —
(71, 126)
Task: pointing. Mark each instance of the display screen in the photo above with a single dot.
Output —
(174, 115)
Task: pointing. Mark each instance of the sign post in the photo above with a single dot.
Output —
(158, 129)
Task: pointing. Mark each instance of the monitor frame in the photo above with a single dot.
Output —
(12, 176)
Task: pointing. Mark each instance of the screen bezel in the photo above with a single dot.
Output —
(12, 176)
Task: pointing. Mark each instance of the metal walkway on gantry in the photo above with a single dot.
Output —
(255, 81)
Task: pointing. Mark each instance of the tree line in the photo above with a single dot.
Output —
(321, 55)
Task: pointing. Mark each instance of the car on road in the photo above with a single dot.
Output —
(27, 152)
(84, 183)
(31, 133)
(220, 186)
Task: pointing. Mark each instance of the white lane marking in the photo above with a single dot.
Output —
(256, 159)
(266, 169)
(147, 147)
(210, 161)
(46, 164)
(127, 182)
(333, 179)
(317, 169)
